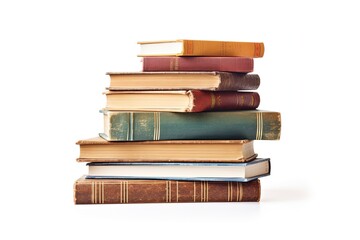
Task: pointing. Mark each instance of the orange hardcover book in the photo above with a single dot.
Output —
(111, 191)
(186, 47)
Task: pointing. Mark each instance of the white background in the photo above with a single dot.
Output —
(53, 60)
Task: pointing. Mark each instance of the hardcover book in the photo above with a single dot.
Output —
(181, 101)
(221, 64)
(100, 150)
(111, 191)
(187, 171)
(227, 125)
(213, 81)
(186, 47)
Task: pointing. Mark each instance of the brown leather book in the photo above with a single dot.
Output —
(224, 64)
(209, 80)
(106, 191)
(181, 101)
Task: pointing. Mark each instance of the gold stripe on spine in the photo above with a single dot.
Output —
(228, 191)
(121, 195)
(167, 191)
(207, 191)
(201, 192)
(213, 100)
(252, 100)
(240, 192)
(231, 191)
(131, 126)
(128, 129)
(103, 192)
(242, 102)
(259, 126)
(127, 191)
(92, 192)
(237, 191)
(156, 126)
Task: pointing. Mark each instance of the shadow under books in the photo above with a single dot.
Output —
(285, 194)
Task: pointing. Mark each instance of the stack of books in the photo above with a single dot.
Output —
(182, 130)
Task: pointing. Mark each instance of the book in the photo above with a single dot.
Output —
(99, 150)
(221, 64)
(214, 81)
(181, 101)
(186, 47)
(227, 125)
(111, 191)
(186, 171)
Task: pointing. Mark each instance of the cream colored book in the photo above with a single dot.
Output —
(100, 150)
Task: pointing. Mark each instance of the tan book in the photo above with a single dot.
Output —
(187, 47)
(112, 191)
(100, 150)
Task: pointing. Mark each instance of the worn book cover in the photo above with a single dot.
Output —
(181, 101)
(188, 47)
(221, 64)
(227, 125)
(112, 191)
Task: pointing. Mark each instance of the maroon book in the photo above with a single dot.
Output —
(224, 64)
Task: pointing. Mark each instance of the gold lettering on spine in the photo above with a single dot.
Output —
(259, 126)
(176, 66)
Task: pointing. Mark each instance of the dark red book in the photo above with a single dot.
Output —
(224, 64)
(181, 101)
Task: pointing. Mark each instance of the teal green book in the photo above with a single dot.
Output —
(231, 125)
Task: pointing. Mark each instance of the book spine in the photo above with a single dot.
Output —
(222, 101)
(230, 125)
(102, 191)
(238, 81)
(225, 64)
(225, 49)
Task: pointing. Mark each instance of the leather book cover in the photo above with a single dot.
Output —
(112, 191)
(226, 125)
(223, 101)
(224, 64)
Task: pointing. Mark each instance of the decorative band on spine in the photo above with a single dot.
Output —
(131, 120)
(259, 125)
(213, 100)
(97, 192)
(156, 126)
